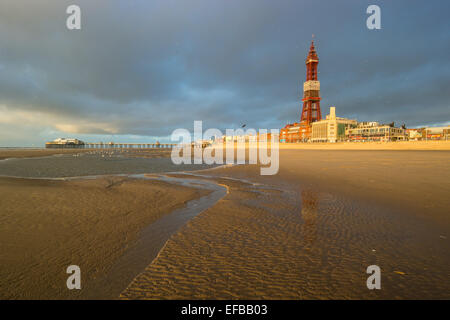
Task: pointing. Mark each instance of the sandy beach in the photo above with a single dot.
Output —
(48, 225)
(311, 231)
(397, 145)
(308, 232)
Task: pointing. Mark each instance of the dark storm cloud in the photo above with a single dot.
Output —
(148, 67)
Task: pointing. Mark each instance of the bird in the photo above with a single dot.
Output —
(243, 126)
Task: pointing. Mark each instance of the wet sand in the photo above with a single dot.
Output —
(8, 153)
(47, 225)
(308, 232)
(95, 163)
(311, 231)
(17, 153)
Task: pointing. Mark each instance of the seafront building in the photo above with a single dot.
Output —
(336, 129)
(331, 129)
(429, 133)
(259, 137)
(415, 134)
(294, 132)
(436, 133)
(373, 131)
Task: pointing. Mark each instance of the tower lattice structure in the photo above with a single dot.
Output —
(311, 89)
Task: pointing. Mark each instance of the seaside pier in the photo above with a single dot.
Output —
(112, 145)
(75, 143)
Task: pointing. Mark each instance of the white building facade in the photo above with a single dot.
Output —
(331, 129)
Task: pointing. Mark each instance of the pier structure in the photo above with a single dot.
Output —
(112, 145)
(75, 143)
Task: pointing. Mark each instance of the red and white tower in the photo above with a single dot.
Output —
(311, 89)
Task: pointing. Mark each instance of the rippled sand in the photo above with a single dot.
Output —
(307, 233)
(294, 236)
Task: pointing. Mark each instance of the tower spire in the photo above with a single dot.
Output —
(312, 48)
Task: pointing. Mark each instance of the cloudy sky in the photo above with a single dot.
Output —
(138, 69)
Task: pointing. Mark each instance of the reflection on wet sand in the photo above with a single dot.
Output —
(309, 216)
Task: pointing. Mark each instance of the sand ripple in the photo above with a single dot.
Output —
(261, 243)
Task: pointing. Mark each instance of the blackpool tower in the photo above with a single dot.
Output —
(311, 89)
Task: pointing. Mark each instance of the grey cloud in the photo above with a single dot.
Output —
(147, 67)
